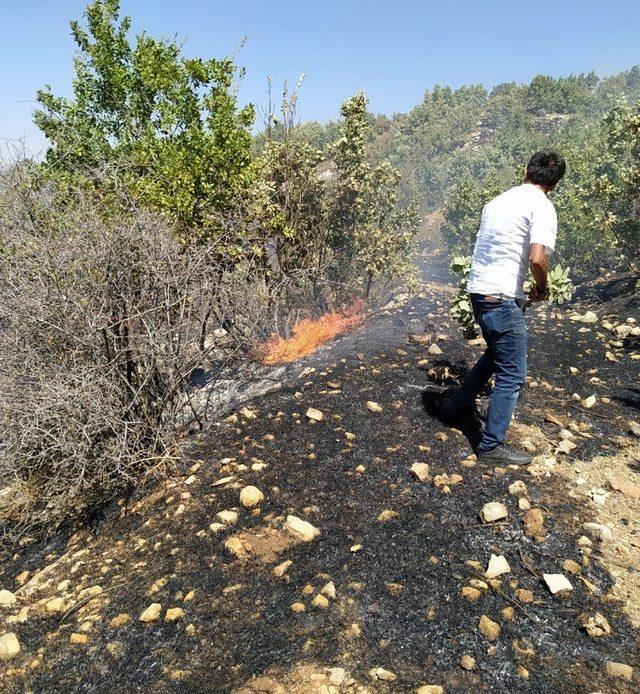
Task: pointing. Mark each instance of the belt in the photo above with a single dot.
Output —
(501, 297)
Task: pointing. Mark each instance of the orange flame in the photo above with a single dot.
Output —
(309, 334)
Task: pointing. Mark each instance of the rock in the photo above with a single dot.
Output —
(434, 349)
(329, 589)
(297, 607)
(470, 593)
(493, 511)
(227, 517)
(534, 523)
(488, 628)
(152, 613)
(7, 598)
(498, 565)
(571, 567)
(623, 486)
(373, 406)
(599, 531)
(301, 529)
(634, 428)
(119, 620)
(116, 649)
(235, 546)
(557, 583)
(588, 317)
(623, 330)
(595, 625)
(589, 402)
(518, 488)
(421, 471)
(222, 481)
(173, 614)
(525, 596)
(337, 676)
(281, 569)
(247, 413)
(430, 689)
(54, 605)
(315, 415)
(78, 639)
(9, 646)
(620, 670)
(320, 602)
(379, 673)
(386, 515)
(251, 496)
(524, 504)
(467, 662)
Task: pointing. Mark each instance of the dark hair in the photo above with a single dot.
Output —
(546, 168)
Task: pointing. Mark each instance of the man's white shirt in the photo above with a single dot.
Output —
(510, 223)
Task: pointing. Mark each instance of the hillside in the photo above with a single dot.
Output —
(184, 588)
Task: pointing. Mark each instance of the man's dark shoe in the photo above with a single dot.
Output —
(503, 455)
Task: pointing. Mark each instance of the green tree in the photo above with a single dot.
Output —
(369, 230)
(169, 125)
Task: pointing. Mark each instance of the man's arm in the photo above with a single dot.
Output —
(539, 268)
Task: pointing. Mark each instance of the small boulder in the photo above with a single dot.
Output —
(301, 529)
(9, 646)
(620, 670)
(251, 496)
(7, 598)
(595, 625)
(152, 613)
(314, 414)
(498, 565)
(493, 511)
(421, 471)
(557, 583)
(488, 628)
(173, 614)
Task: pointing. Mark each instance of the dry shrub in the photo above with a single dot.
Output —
(101, 325)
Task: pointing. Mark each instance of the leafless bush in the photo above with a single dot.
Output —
(101, 325)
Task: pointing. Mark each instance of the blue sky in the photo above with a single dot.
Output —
(391, 50)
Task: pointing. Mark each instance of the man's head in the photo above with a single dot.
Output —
(545, 169)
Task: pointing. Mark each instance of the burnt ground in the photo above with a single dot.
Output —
(398, 576)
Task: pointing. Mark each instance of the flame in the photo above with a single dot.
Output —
(309, 334)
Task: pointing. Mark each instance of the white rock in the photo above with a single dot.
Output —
(557, 583)
(7, 598)
(314, 414)
(493, 511)
(421, 471)
(498, 565)
(589, 402)
(301, 529)
(373, 406)
(9, 646)
(152, 613)
(251, 496)
(434, 349)
(599, 531)
(588, 317)
(227, 516)
(518, 488)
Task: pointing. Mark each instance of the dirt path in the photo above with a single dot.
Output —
(391, 595)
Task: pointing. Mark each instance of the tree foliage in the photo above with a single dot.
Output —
(169, 124)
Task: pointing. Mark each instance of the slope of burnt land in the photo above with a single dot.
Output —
(392, 593)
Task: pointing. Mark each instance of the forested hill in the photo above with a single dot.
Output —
(486, 135)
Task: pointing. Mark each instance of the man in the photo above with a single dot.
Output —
(517, 231)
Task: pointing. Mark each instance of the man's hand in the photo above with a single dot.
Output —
(539, 267)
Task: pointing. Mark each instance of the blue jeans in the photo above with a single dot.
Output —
(504, 330)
